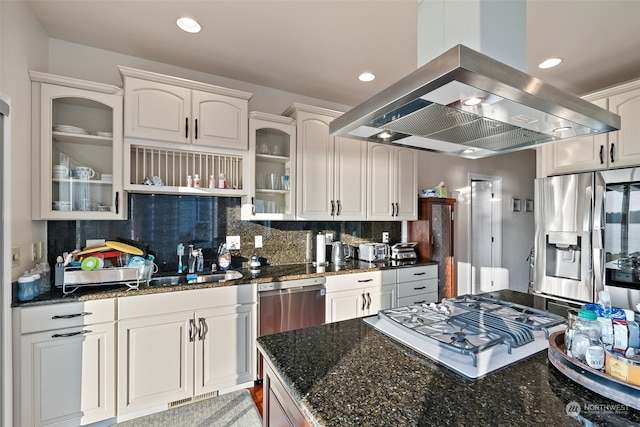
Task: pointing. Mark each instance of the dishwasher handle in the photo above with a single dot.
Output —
(306, 284)
(293, 290)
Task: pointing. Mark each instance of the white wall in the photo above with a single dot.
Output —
(518, 171)
(24, 47)
(83, 62)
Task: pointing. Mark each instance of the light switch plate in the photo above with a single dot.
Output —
(258, 242)
(233, 242)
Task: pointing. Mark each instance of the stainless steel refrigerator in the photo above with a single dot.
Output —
(587, 236)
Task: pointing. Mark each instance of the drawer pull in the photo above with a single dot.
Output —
(421, 287)
(365, 280)
(71, 316)
(70, 334)
(420, 302)
(364, 302)
(419, 274)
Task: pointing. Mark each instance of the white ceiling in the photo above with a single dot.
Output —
(318, 47)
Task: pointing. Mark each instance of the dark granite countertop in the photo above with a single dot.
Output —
(349, 374)
(265, 274)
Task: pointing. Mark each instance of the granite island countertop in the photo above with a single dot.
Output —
(349, 374)
(265, 274)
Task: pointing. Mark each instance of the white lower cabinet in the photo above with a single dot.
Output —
(67, 363)
(359, 294)
(176, 346)
(417, 285)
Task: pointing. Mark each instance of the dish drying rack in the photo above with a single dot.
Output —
(75, 278)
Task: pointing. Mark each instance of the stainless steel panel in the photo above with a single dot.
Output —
(291, 308)
(563, 213)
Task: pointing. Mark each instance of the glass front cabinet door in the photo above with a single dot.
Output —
(272, 148)
(77, 144)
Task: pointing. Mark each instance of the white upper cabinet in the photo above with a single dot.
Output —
(170, 109)
(331, 171)
(272, 176)
(604, 151)
(77, 149)
(393, 183)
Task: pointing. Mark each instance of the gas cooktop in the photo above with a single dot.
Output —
(471, 334)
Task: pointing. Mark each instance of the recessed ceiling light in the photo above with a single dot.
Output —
(473, 100)
(366, 77)
(549, 63)
(189, 25)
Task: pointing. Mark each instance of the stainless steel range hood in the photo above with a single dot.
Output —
(427, 109)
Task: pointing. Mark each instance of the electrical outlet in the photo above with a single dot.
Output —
(15, 257)
(328, 238)
(34, 251)
(233, 242)
(40, 250)
(258, 243)
(385, 237)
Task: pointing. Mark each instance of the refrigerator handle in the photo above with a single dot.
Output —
(597, 239)
(598, 208)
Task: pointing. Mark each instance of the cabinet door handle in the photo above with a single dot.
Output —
(253, 206)
(339, 208)
(419, 274)
(397, 208)
(202, 331)
(333, 207)
(420, 287)
(116, 202)
(365, 280)
(364, 302)
(368, 301)
(71, 334)
(186, 127)
(196, 129)
(71, 316)
(192, 333)
(602, 154)
(611, 153)
(393, 209)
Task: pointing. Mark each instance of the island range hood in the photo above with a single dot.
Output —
(467, 104)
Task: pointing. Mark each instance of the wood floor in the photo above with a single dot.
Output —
(256, 393)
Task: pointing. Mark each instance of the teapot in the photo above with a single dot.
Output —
(340, 252)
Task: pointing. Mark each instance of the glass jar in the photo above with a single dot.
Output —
(26, 287)
(585, 343)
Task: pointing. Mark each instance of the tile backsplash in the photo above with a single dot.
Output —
(163, 221)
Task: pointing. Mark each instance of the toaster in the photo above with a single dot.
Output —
(374, 252)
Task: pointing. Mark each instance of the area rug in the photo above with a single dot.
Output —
(232, 409)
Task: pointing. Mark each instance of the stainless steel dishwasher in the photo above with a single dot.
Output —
(293, 304)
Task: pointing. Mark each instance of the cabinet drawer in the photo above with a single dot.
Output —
(417, 273)
(188, 300)
(66, 315)
(354, 281)
(418, 287)
(425, 298)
